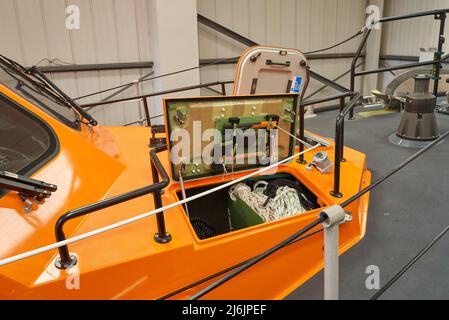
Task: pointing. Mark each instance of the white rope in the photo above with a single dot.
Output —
(294, 137)
(254, 200)
(286, 203)
(119, 224)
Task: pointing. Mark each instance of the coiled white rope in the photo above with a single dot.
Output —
(254, 200)
(286, 203)
(122, 223)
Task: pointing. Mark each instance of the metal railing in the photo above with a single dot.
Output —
(349, 109)
(66, 260)
(438, 14)
(339, 140)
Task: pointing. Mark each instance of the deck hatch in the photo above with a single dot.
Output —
(218, 135)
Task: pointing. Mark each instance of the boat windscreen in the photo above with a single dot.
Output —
(25, 142)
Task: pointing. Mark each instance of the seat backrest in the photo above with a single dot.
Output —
(265, 70)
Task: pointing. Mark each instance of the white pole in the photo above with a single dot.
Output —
(335, 216)
(331, 263)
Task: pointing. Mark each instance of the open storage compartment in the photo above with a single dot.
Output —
(216, 136)
(217, 213)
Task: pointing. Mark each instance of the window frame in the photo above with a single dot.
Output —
(48, 155)
(35, 101)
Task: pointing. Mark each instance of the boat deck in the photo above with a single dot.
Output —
(406, 212)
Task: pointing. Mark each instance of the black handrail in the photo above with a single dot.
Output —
(413, 15)
(66, 260)
(326, 99)
(302, 115)
(403, 66)
(339, 142)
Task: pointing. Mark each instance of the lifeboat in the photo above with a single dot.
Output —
(89, 211)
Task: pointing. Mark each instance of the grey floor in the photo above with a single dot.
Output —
(405, 213)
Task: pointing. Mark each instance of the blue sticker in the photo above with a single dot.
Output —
(297, 84)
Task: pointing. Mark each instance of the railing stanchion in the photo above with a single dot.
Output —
(147, 112)
(339, 143)
(338, 148)
(342, 130)
(223, 88)
(162, 236)
(366, 35)
(65, 259)
(439, 53)
(301, 133)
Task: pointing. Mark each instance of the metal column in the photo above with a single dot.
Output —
(333, 217)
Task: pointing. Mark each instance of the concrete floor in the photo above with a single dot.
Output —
(405, 213)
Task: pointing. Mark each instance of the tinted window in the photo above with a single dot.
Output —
(25, 141)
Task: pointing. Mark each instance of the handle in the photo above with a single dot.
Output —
(273, 63)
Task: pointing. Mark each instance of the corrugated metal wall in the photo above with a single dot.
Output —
(112, 31)
(115, 31)
(303, 24)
